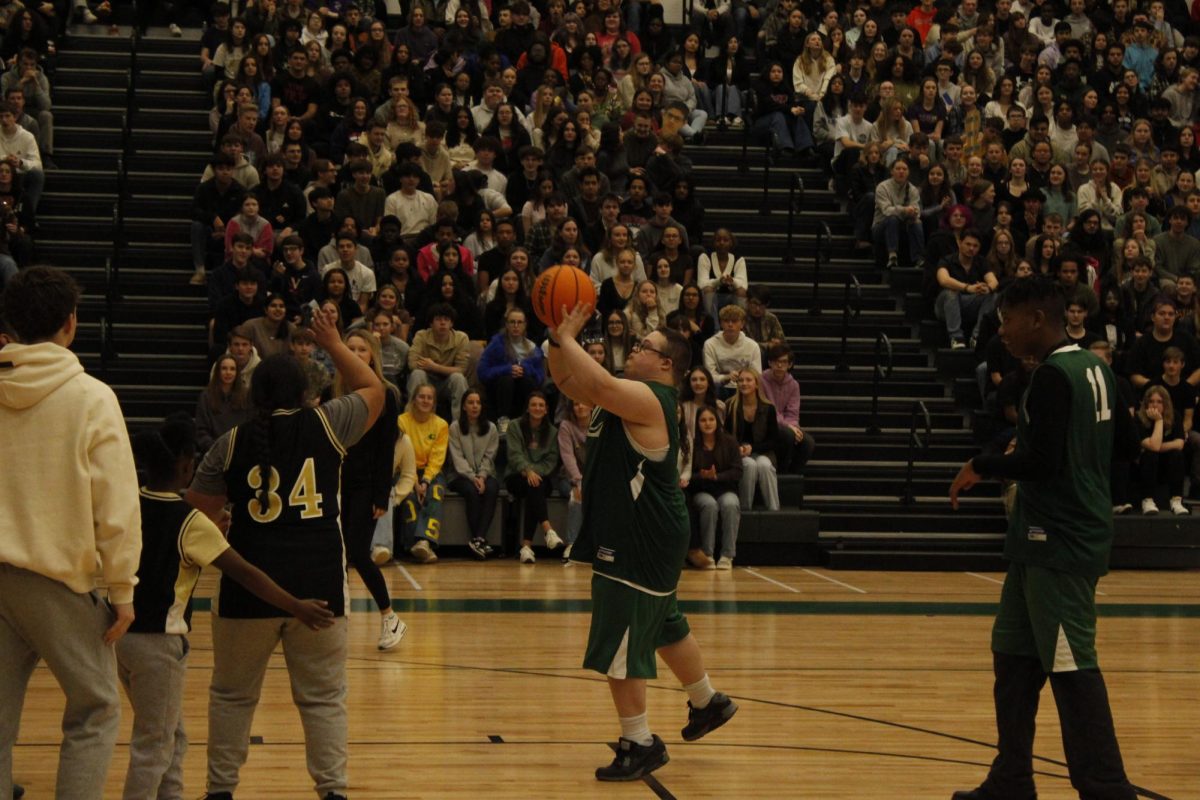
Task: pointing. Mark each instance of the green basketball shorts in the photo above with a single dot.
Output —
(1047, 615)
(628, 626)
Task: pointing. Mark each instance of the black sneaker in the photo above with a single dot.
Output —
(984, 794)
(702, 721)
(18, 792)
(479, 548)
(335, 796)
(634, 760)
(219, 796)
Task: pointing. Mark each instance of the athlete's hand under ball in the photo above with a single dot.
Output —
(574, 321)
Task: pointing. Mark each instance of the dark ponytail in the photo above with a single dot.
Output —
(157, 452)
(278, 382)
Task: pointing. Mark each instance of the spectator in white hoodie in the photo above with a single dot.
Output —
(66, 431)
(19, 148)
(731, 351)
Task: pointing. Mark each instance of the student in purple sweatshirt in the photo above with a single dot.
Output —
(795, 446)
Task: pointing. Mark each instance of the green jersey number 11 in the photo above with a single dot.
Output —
(1099, 394)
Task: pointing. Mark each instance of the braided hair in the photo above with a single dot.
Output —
(158, 451)
(278, 382)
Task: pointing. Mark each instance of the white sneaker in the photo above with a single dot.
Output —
(423, 553)
(553, 540)
(391, 631)
(199, 277)
(380, 555)
(736, 123)
(87, 17)
(725, 562)
(566, 556)
(1178, 508)
(1149, 506)
(1123, 508)
(176, 31)
(527, 555)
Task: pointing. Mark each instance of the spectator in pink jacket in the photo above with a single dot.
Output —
(795, 446)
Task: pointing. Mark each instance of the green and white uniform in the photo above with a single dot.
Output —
(1060, 530)
(635, 535)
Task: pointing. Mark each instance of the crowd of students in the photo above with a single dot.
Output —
(410, 188)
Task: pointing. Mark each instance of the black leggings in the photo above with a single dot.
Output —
(358, 526)
(1159, 469)
(534, 505)
(480, 507)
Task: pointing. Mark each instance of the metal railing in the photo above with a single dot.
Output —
(882, 371)
(795, 206)
(822, 253)
(851, 309)
(748, 107)
(764, 208)
(914, 442)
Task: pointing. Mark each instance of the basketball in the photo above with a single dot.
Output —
(561, 286)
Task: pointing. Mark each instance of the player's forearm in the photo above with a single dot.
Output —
(256, 581)
(575, 373)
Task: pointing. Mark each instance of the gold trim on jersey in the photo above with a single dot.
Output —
(329, 432)
(229, 450)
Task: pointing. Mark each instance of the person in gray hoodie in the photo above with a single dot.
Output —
(474, 440)
(679, 88)
(898, 207)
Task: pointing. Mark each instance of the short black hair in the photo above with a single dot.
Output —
(37, 303)
(1038, 291)
(442, 310)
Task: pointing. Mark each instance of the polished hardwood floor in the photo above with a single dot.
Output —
(851, 685)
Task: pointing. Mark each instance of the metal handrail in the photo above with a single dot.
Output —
(795, 206)
(849, 310)
(764, 208)
(914, 442)
(821, 253)
(883, 347)
(748, 107)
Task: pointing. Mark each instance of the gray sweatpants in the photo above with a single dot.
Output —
(42, 619)
(316, 664)
(151, 667)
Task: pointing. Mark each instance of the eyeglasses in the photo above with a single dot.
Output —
(638, 347)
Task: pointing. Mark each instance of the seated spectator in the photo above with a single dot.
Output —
(438, 358)
(1069, 267)
(572, 451)
(421, 511)
(318, 228)
(243, 171)
(215, 202)
(224, 280)
(361, 200)
(751, 419)
(19, 148)
(329, 253)
(393, 350)
(699, 391)
(716, 475)
(415, 209)
(761, 325)
(617, 290)
(1183, 402)
(643, 312)
(618, 341)
(246, 303)
(650, 235)
(532, 460)
(429, 257)
(1176, 251)
(294, 278)
(966, 289)
(670, 247)
(249, 222)
(1160, 465)
(1145, 359)
(1137, 298)
(898, 206)
(280, 202)
(223, 404)
(271, 333)
(511, 368)
(335, 289)
(474, 441)
(731, 351)
(360, 277)
(778, 386)
(668, 290)
(28, 79)
(1077, 333)
(779, 112)
(721, 274)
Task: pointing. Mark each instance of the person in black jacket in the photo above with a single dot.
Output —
(726, 76)
(779, 114)
(215, 202)
(868, 173)
(366, 485)
(280, 202)
(716, 474)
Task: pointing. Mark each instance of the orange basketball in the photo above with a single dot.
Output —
(561, 286)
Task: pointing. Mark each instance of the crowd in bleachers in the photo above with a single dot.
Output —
(413, 184)
(1039, 139)
(27, 48)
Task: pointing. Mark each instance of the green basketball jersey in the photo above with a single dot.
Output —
(635, 520)
(1065, 522)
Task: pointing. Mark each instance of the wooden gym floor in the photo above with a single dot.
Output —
(851, 685)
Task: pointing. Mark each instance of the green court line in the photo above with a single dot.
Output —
(778, 607)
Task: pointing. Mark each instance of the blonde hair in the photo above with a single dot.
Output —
(339, 388)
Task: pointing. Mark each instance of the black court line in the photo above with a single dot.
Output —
(1143, 792)
(495, 739)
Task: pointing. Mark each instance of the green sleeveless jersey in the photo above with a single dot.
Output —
(635, 520)
(1065, 523)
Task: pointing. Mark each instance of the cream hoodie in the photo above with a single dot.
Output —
(69, 505)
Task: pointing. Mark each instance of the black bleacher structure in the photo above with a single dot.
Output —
(133, 139)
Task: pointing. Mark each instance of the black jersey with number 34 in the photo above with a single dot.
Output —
(297, 537)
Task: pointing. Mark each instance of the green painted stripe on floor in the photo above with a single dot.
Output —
(781, 607)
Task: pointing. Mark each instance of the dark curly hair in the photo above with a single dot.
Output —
(37, 303)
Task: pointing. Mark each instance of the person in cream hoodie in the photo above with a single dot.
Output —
(68, 512)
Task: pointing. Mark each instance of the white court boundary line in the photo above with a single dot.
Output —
(984, 578)
(759, 575)
(408, 576)
(834, 580)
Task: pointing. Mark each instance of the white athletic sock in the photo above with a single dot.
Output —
(700, 692)
(636, 729)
